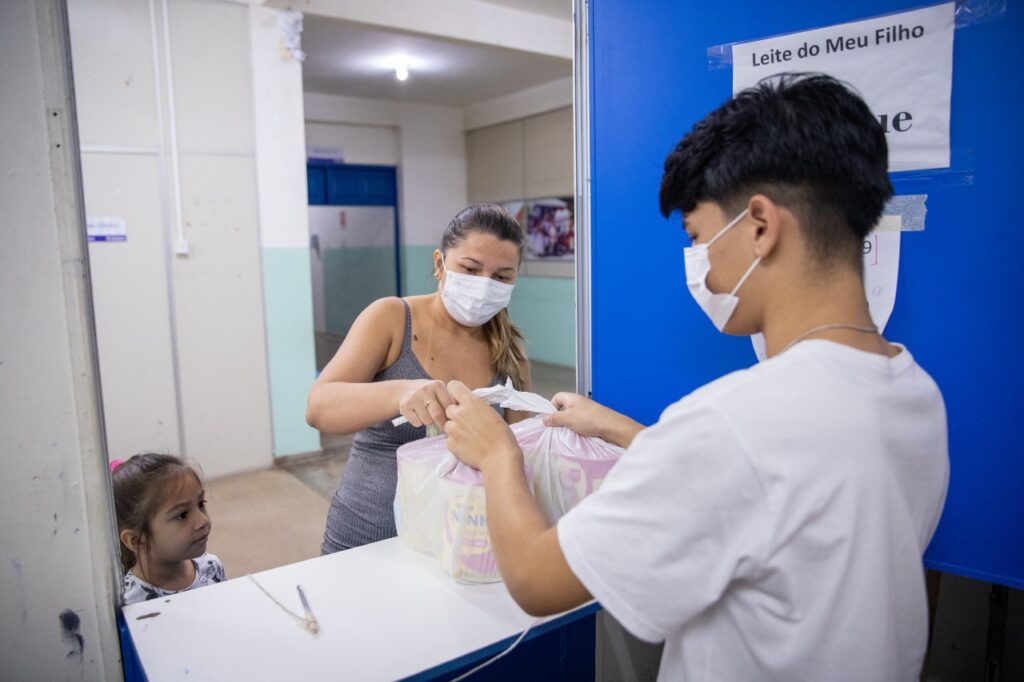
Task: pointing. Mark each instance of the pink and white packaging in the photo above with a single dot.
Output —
(565, 466)
(440, 505)
(440, 509)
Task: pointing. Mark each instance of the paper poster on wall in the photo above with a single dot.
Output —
(881, 271)
(881, 253)
(549, 227)
(325, 153)
(106, 228)
(901, 64)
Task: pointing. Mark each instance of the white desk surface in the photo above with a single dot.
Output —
(385, 611)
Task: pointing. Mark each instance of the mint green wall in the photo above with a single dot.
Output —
(545, 310)
(418, 270)
(543, 307)
(353, 279)
(290, 350)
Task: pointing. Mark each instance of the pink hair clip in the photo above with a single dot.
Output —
(114, 464)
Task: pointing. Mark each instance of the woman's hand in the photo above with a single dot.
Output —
(425, 402)
(589, 418)
(476, 432)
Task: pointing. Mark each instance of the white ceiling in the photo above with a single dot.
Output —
(560, 9)
(348, 59)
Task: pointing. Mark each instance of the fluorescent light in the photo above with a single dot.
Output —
(401, 71)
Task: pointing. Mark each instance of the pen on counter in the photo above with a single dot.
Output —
(311, 623)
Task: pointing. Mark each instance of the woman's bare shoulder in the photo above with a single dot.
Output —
(385, 317)
(373, 342)
(385, 308)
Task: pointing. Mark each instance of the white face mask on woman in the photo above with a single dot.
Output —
(473, 300)
(719, 307)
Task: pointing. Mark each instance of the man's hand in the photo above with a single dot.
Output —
(476, 432)
(589, 418)
(527, 550)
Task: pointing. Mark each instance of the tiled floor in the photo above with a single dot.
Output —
(264, 519)
(272, 517)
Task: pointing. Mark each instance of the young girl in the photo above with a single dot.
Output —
(163, 526)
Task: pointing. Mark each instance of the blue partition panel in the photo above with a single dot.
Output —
(960, 292)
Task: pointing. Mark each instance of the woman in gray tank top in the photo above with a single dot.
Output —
(398, 357)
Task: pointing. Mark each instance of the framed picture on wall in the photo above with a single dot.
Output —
(549, 227)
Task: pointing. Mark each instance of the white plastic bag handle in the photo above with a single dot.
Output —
(508, 397)
(502, 396)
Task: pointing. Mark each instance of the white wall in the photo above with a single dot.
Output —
(432, 159)
(529, 102)
(280, 135)
(469, 21)
(284, 230)
(370, 144)
(201, 314)
(140, 401)
(56, 533)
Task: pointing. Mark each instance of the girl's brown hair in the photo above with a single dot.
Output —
(504, 338)
(141, 484)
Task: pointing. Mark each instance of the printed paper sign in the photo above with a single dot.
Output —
(881, 251)
(326, 153)
(106, 228)
(901, 64)
(881, 270)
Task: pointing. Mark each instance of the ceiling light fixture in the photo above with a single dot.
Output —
(401, 71)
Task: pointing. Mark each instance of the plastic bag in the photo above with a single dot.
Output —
(565, 466)
(440, 506)
(440, 509)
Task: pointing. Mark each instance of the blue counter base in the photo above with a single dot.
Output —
(561, 650)
(129, 657)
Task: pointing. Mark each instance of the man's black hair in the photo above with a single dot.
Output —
(804, 140)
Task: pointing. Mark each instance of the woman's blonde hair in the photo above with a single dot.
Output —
(506, 341)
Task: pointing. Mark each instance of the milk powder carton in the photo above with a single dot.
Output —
(441, 509)
(466, 552)
(441, 506)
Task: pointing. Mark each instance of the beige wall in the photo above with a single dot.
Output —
(525, 158)
(204, 311)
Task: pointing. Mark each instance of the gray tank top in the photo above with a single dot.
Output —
(362, 510)
(384, 438)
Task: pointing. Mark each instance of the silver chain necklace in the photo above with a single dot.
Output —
(838, 325)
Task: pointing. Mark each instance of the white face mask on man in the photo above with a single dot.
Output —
(719, 307)
(472, 300)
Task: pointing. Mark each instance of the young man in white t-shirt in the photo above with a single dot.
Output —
(771, 525)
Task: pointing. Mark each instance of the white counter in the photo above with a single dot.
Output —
(385, 613)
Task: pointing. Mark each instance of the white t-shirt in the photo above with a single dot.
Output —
(771, 525)
(209, 570)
